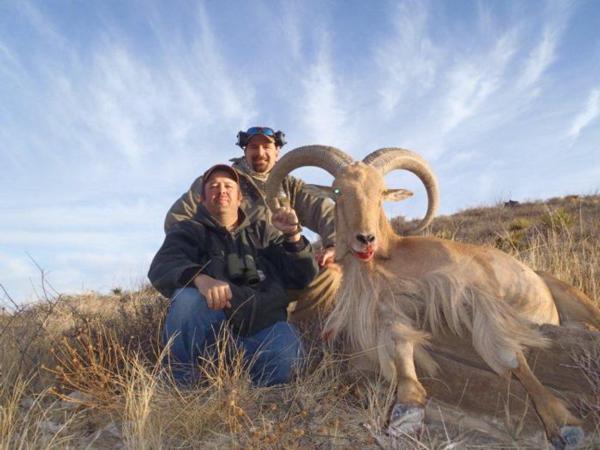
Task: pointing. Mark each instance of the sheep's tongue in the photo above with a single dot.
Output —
(366, 255)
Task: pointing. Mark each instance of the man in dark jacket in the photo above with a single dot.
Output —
(218, 269)
(262, 147)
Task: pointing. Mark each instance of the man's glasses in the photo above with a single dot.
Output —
(260, 130)
(244, 136)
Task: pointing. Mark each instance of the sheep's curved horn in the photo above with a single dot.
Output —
(388, 159)
(330, 159)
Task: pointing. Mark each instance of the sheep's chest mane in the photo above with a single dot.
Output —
(361, 304)
(374, 307)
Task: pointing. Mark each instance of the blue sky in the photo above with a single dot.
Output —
(110, 109)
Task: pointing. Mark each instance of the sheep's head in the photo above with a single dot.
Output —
(359, 191)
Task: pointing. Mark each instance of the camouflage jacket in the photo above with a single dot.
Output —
(315, 211)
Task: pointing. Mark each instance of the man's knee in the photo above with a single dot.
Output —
(285, 340)
(279, 353)
(189, 311)
(187, 302)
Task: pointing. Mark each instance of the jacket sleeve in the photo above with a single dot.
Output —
(315, 211)
(176, 262)
(295, 263)
(185, 207)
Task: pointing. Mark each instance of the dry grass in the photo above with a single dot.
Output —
(88, 371)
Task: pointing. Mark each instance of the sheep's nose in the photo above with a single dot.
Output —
(365, 238)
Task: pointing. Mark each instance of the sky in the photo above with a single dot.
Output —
(109, 109)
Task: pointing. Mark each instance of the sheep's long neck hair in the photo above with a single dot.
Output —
(374, 306)
(367, 317)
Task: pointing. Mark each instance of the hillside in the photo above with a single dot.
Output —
(560, 235)
(86, 371)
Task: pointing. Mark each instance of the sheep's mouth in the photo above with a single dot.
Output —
(365, 255)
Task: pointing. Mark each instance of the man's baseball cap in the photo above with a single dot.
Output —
(220, 168)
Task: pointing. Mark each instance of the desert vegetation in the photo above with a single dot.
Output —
(88, 371)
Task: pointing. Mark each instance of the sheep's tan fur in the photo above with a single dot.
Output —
(396, 291)
(374, 301)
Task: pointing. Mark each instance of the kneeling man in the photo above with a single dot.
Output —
(221, 270)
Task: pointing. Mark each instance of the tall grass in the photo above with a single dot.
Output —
(88, 371)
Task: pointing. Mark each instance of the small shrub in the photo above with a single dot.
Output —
(558, 219)
(445, 233)
(519, 224)
(512, 241)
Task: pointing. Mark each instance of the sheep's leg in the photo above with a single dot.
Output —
(574, 307)
(409, 389)
(561, 426)
(408, 413)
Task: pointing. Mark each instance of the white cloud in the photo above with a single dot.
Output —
(539, 60)
(69, 271)
(91, 240)
(42, 24)
(105, 215)
(543, 55)
(19, 267)
(118, 107)
(587, 115)
(7, 57)
(322, 111)
(289, 28)
(472, 81)
(407, 59)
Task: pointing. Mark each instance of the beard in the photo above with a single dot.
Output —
(260, 165)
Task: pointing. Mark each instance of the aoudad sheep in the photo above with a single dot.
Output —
(396, 292)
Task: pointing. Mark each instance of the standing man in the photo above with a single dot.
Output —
(220, 269)
(262, 146)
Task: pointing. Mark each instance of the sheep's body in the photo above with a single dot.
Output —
(443, 292)
(395, 291)
(483, 268)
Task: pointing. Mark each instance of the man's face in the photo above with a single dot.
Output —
(261, 153)
(221, 194)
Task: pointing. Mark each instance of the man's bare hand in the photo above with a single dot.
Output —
(325, 256)
(286, 221)
(216, 292)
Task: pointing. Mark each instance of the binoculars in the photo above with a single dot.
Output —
(242, 270)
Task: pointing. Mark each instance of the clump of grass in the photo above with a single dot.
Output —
(557, 219)
(511, 241)
(515, 237)
(29, 420)
(519, 224)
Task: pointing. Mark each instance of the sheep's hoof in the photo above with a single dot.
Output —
(570, 437)
(406, 419)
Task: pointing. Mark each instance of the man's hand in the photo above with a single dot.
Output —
(286, 221)
(216, 292)
(325, 256)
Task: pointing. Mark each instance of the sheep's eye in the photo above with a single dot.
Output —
(337, 192)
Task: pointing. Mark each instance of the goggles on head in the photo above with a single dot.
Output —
(243, 137)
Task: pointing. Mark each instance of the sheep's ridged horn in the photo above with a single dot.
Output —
(388, 159)
(330, 159)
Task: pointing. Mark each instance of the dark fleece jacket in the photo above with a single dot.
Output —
(201, 245)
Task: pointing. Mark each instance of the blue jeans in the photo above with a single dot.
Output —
(271, 354)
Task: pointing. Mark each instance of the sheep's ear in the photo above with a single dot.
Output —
(396, 195)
